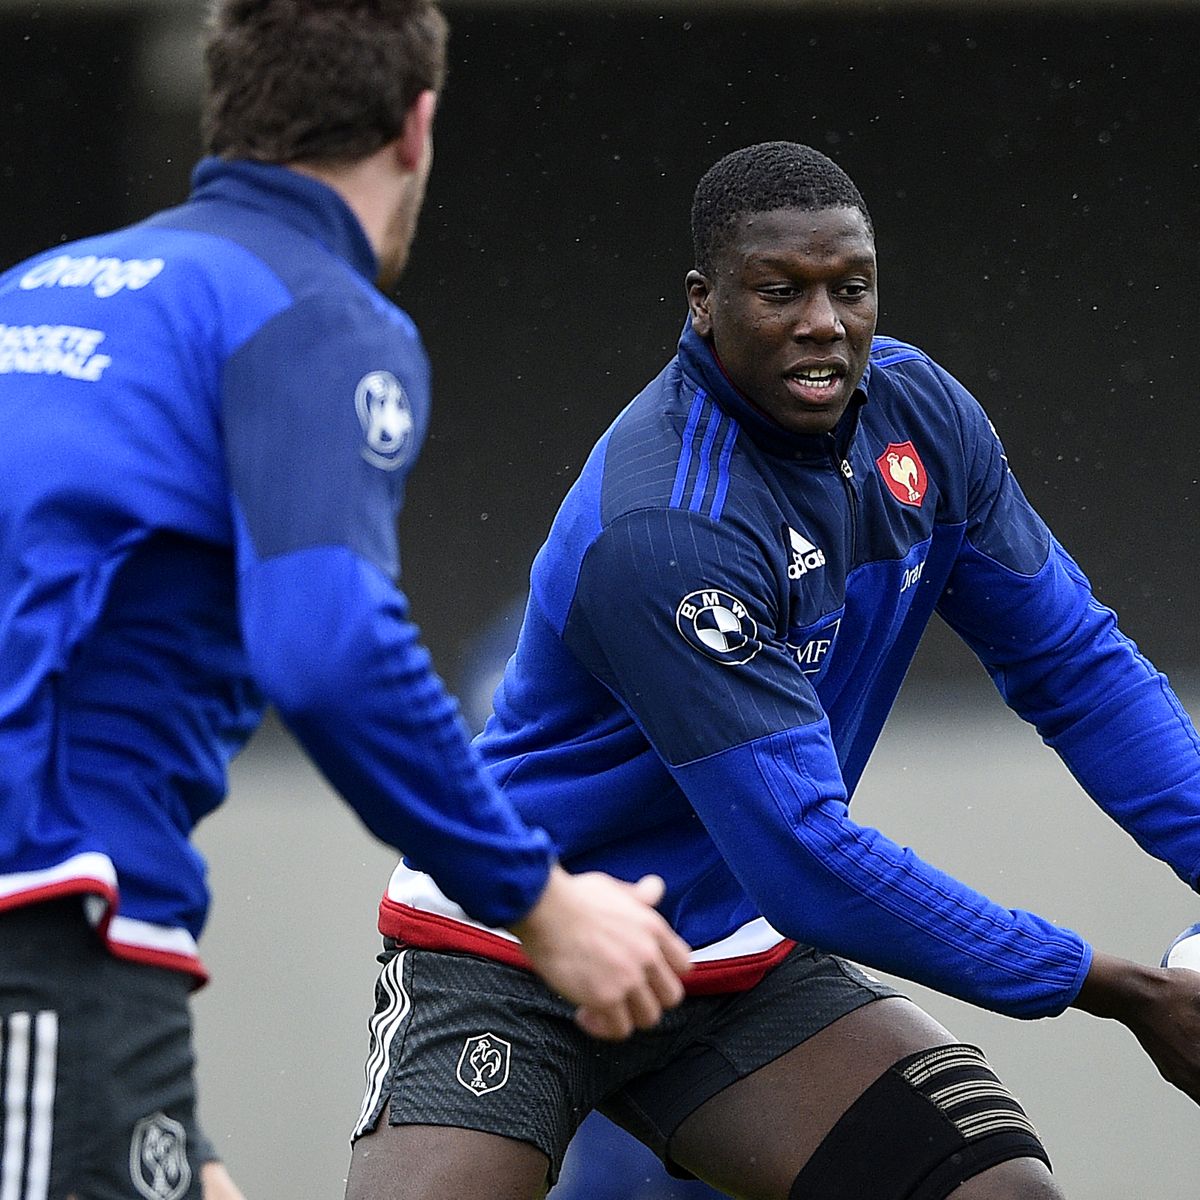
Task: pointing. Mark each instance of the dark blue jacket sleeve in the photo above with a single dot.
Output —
(777, 809)
(744, 736)
(316, 480)
(1060, 661)
(330, 643)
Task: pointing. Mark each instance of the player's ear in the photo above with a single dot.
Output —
(413, 142)
(699, 296)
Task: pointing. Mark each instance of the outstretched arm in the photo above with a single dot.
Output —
(1059, 660)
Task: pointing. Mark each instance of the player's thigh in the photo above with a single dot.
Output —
(477, 1072)
(831, 1097)
(430, 1162)
(761, 1130)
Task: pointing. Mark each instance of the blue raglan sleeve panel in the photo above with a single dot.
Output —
(750, 747)
(1060, 661)
(326, 631)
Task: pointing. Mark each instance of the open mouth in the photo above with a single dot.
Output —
(815, 384)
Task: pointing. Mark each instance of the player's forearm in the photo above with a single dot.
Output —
(1063, 665)
(330, 644)
(821, 878)
(1118, 989)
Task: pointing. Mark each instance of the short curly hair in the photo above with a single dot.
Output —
(325, 81)
(763, 178)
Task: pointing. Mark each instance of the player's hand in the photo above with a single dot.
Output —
(1159, 1005)
(598, 942)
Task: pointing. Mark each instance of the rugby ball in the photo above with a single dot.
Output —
(1184, 951)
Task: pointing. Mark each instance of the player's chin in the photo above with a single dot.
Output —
(805, 411)
(814, 422)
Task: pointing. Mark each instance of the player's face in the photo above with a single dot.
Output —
(790, 310)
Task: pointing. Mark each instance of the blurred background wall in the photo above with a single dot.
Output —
(1033, 170)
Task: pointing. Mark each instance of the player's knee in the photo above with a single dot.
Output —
(930, 1123)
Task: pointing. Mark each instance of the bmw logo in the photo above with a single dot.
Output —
(718, 625)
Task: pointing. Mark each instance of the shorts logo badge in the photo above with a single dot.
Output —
(158, 1162)
(483, 1063)
(903, 472)
(386, 419)
(718, 625)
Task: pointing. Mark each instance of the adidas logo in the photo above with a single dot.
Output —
(805, 556)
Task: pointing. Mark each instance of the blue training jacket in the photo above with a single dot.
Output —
(207, 420)
(718, 625)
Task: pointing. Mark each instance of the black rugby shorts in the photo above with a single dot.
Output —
(463, 1041)
(97, 1095)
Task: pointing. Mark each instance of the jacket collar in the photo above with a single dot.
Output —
(701, 365)
(306, 204)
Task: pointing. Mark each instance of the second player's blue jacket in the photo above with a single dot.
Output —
(718, 625)
(206, 421)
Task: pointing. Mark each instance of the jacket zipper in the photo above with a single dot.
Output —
(845, 473)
